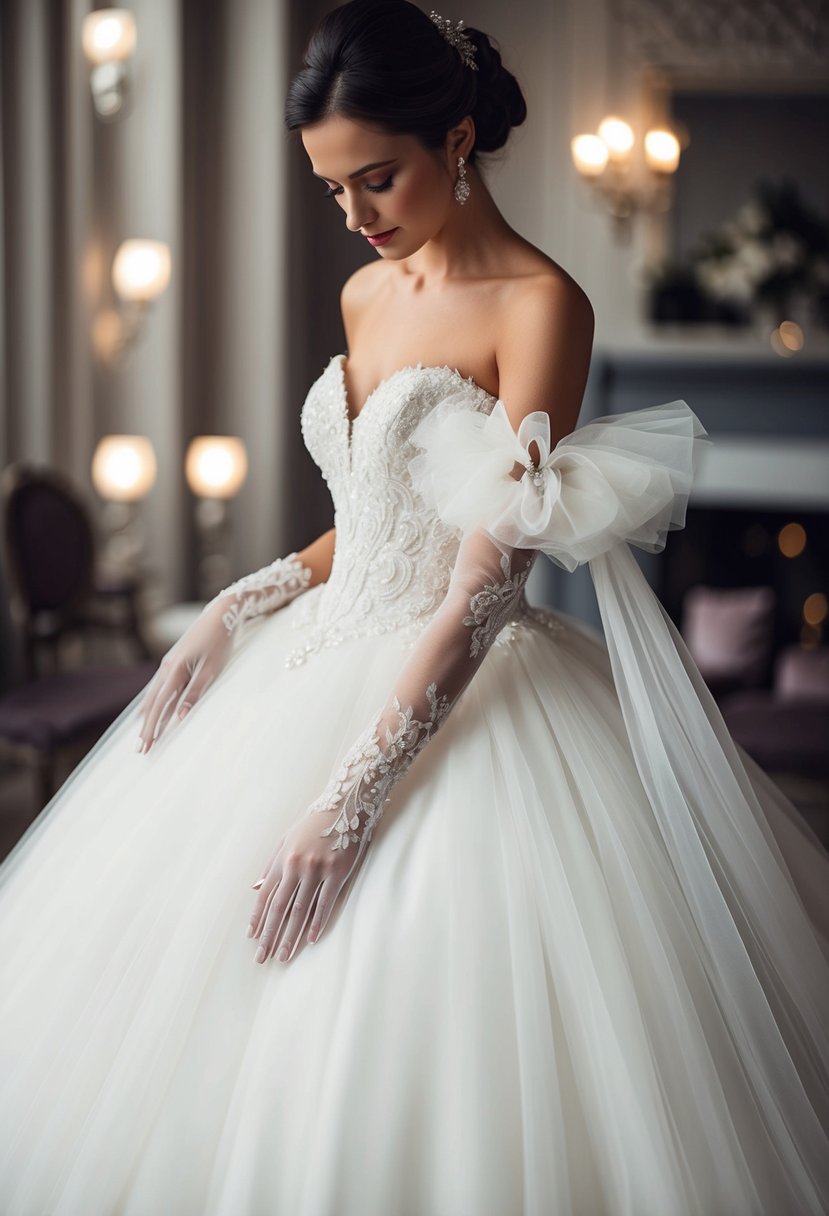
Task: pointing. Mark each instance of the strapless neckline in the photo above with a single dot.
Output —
(341, 359)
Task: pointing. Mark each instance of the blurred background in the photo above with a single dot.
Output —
(169, 291)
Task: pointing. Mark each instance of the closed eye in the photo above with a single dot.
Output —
(386, 185)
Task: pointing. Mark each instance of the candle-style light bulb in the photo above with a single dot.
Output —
(589, 154)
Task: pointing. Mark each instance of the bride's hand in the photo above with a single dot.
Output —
(184, 674)
(305, 863)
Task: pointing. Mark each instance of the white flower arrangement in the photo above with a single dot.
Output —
(774, 249)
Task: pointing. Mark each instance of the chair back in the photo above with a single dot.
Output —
(50, 552)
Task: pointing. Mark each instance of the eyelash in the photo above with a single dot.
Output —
(386, 185)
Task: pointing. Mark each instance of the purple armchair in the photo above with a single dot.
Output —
(49, 547)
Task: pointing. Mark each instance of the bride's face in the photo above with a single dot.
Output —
(384, 183)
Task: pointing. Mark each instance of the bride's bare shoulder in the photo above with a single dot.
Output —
(544, 341)
(535, 276)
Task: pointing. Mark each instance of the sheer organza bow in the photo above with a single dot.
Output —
(620, 478)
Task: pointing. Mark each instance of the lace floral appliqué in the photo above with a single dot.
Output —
(362, 784)
(265, 590)
(491, 607)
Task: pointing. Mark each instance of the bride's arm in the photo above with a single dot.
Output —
(543, 356)
(485, 585)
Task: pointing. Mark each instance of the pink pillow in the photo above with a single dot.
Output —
(801, 675)
(729, 631)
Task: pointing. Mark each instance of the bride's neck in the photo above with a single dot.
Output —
(467, 245)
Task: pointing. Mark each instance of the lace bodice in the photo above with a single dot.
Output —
(394, 554)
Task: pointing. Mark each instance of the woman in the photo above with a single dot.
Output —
(582, 967)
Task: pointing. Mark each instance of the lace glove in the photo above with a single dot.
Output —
(261, 592)
(484, 588)
(305, 876)
(192, 664)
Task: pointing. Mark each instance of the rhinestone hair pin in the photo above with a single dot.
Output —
(457, 37)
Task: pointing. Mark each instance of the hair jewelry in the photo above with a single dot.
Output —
(461, 185)
(457, 37)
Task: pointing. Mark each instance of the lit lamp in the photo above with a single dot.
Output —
(605, 161)
(216, 467)
(140, 273)
(123, 472)
(108, 38)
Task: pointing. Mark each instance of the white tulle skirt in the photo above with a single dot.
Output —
(511, 1012)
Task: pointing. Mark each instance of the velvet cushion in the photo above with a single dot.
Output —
(729, 632)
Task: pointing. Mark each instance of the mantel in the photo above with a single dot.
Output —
(739, 387)
(711, 345)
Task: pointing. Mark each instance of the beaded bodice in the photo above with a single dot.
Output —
(393, 555)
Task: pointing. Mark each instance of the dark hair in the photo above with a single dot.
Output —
(385, 62)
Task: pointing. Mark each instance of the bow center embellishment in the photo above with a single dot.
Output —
(539, 474)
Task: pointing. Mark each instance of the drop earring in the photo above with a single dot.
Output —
(461, 185)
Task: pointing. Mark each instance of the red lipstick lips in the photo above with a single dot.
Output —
(380, 238)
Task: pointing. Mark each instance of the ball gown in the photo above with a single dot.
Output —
(582, 967)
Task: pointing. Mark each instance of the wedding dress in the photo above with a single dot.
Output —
(581, 966)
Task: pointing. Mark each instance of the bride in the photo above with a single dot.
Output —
(529, 933)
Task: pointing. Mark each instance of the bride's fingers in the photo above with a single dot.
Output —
(275, 916)
(165, 710)
(300, 911)
(175, 680)
(325, 904)
(201, 679)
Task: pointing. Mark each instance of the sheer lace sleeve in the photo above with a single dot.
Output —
(485, 584)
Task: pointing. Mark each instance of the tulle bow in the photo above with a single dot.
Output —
(625, 477)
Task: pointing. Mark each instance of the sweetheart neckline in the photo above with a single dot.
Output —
(342, 358)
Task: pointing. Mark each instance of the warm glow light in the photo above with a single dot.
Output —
(791, 335)
(815, 608)
(141, 269)
(662, 151)
(216, 465)
(791, 540)
(617, 136)
(123, 467)
(108, 35)
(589, 154)
(779, 346)
(786, 339)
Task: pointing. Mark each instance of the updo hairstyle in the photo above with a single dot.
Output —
(385, 62)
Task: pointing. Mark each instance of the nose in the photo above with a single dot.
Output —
(359, 212)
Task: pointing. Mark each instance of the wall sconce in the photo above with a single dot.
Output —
(605, 161)
(108, 37)
(123, 472)
(215, 467)
(140, 273)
